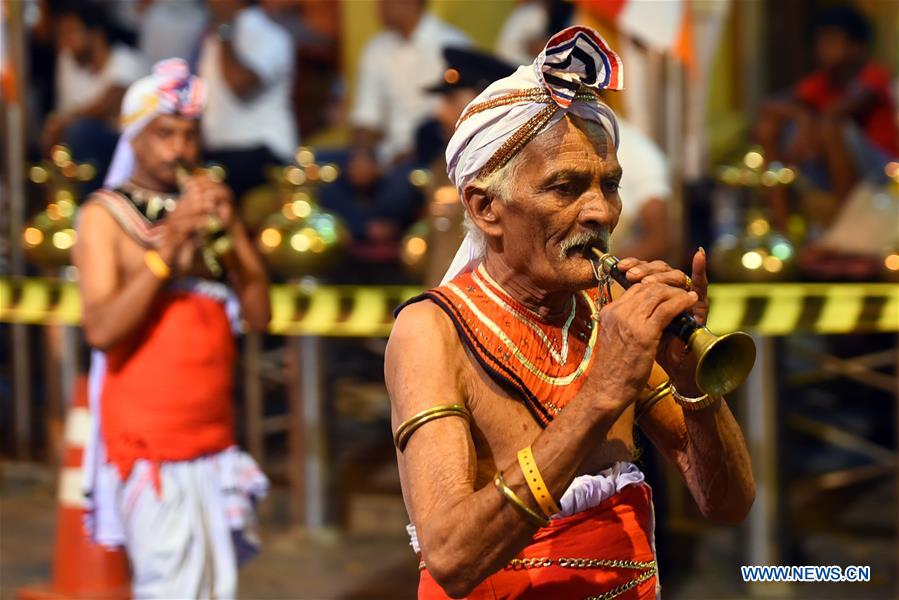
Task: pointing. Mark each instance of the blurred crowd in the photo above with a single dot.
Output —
(276, 79)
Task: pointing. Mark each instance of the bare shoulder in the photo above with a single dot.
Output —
(96, 222)
(423, 357)
(98, 251)
(419, 320)
(97, 230)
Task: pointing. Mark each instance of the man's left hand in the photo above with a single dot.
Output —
(679, 364)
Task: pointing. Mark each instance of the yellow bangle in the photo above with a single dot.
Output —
(157, 265)
(535, 482)
(523, 509)
(410, 425)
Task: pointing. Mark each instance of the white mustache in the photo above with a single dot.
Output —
(599, 239)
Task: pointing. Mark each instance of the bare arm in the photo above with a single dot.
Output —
(248, 275)
(112, 308)
(106, 105)
(242, 80)
(857, 99)
(466, 534)
(708, 449)
(244, 266)
(707, 445)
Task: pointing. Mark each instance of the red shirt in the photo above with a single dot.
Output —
(878, 122)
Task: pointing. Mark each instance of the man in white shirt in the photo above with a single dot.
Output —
(391, 103)
(247, 61)
(645, 227)
(92, 73)
(171, 29)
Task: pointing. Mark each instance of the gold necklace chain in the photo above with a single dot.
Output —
(155, 201)
(560, 356)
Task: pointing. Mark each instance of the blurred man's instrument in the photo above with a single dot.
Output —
(218, 242)
(723, 363)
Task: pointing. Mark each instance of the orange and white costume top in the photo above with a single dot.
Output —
(165, 394)
(601, 543)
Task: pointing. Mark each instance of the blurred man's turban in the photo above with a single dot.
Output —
(170, 90)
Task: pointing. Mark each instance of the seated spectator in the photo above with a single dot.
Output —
(391, 103)
(92, 73)
(247, 62)
(839, 122)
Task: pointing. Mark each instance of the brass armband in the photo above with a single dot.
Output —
(660, 391)
(410, 425)
(523, 509)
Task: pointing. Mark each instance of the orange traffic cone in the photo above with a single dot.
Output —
(81, 568)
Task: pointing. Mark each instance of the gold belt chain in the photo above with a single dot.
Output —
(648, 568)
(578, 563)
(615, 592)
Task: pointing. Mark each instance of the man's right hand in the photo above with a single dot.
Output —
(630, 331)
(186, 227)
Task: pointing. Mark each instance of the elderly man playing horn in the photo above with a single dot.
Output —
(516, 385)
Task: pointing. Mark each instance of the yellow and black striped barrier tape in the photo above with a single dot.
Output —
(361, 311)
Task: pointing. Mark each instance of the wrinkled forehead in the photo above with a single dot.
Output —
(572, 137)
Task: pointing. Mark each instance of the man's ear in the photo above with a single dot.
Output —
(481, 206)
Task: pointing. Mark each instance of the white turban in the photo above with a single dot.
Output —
(170, 90)
(512, 111)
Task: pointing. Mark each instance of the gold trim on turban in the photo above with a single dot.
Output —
(530, 129)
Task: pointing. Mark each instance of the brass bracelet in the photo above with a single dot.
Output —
(410, 425)
(535, 482)
(657, 394)
(688, 403)
(523, 509)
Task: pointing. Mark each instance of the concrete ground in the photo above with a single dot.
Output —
(373, 561)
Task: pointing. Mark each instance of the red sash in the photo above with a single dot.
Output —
(607, 549)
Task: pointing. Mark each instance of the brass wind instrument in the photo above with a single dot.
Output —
(723, 362)
(218, 242)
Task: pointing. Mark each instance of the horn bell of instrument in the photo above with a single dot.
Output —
(722, 362)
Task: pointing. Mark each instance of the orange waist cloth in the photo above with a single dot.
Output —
(167, 392)
(618, 529)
